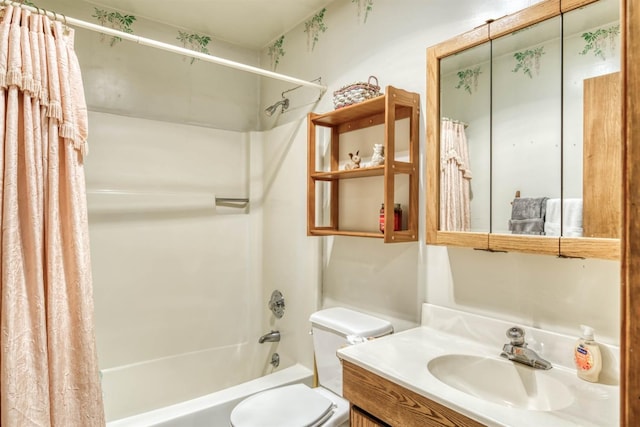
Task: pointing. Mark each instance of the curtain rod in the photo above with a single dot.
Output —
(165, 46)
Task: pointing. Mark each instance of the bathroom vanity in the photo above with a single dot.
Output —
(371, 394)
(448, 372)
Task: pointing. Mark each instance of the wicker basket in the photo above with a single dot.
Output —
(356, 92)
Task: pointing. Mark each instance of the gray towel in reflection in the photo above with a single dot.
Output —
(528, 208)
(532, 226)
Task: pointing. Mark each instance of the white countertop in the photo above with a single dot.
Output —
(403, 357)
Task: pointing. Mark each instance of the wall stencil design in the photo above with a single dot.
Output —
(600, 40)
(313, 27)
(527, 60)
(364, 7)
(115, 20)
(468, 79)
(276, 52)
(194, 42)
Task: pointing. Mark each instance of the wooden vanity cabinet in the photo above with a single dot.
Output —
(378, 402)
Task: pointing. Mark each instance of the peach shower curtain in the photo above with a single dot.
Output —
(455, 178)
(48, 362)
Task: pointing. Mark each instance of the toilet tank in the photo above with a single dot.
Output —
(330, 328)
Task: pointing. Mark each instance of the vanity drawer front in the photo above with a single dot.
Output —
(394, 404)
(359, 418)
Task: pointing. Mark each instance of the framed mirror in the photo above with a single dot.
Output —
(530, 152)
(591, 128)
(526, 127)
(465, 140)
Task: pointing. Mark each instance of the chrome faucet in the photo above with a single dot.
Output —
(273, 336)
(517, 350)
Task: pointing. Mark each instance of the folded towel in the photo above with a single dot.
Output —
(533, 226)
(553, 213)
(571, 218)
(553, 229)
(572, 213)
(528, 208)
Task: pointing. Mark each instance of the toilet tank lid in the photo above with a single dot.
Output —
(350, 322)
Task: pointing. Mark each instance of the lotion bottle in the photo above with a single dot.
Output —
(587, 356)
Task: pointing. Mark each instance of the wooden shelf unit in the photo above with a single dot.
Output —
(396, 104)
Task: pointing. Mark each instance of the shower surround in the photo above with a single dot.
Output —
(181, 289)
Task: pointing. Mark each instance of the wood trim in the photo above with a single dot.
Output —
(414, 177)
(330, 231)
(586, 247)
(568, 5)
(461, 42)
(602, 157)
(516, 21)
(395, 404)
(334, 218)
(630, 262)
(389, 160)
(432, 151)
(527, 244)
(311, 167)
(463, 239)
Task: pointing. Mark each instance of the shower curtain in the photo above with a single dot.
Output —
(455, 177)
(48, 361)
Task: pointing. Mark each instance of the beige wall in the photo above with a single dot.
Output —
(181, 292)
(391, 280)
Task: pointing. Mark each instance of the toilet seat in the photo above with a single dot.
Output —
(294, 405)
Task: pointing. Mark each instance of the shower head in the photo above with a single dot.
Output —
(272, 109)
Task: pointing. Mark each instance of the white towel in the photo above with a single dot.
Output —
(572, 218)
(572, 213)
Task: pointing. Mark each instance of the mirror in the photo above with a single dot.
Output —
(465, 138)
(526, 127)
(524, 113)
(591, 134)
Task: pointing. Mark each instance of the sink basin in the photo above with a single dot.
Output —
(502, 381)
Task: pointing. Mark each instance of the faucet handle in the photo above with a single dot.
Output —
(516, 335)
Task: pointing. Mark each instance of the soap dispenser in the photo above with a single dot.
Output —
(587, 356)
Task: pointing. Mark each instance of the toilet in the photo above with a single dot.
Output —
(298, 405)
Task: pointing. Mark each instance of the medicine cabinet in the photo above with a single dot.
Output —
(524, 134)
(346, 201)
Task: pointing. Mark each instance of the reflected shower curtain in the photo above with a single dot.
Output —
(455, 178)
(48, 361)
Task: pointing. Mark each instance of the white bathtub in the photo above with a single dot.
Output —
(213, 410)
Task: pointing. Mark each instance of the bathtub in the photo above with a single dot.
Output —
(213, 410)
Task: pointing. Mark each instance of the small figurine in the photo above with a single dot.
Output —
(378, 155)
(355, 161)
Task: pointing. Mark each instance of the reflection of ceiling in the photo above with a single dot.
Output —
(249, 23)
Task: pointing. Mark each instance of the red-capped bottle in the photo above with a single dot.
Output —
(397, 217)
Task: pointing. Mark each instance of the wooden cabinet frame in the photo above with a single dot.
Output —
(395, 104)
(584, 247)
(630, 259)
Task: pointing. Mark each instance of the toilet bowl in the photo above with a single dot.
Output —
(298, 405)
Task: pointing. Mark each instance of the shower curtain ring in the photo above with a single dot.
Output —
(66, 30)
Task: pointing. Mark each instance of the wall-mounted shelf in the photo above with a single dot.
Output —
(387, 110)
